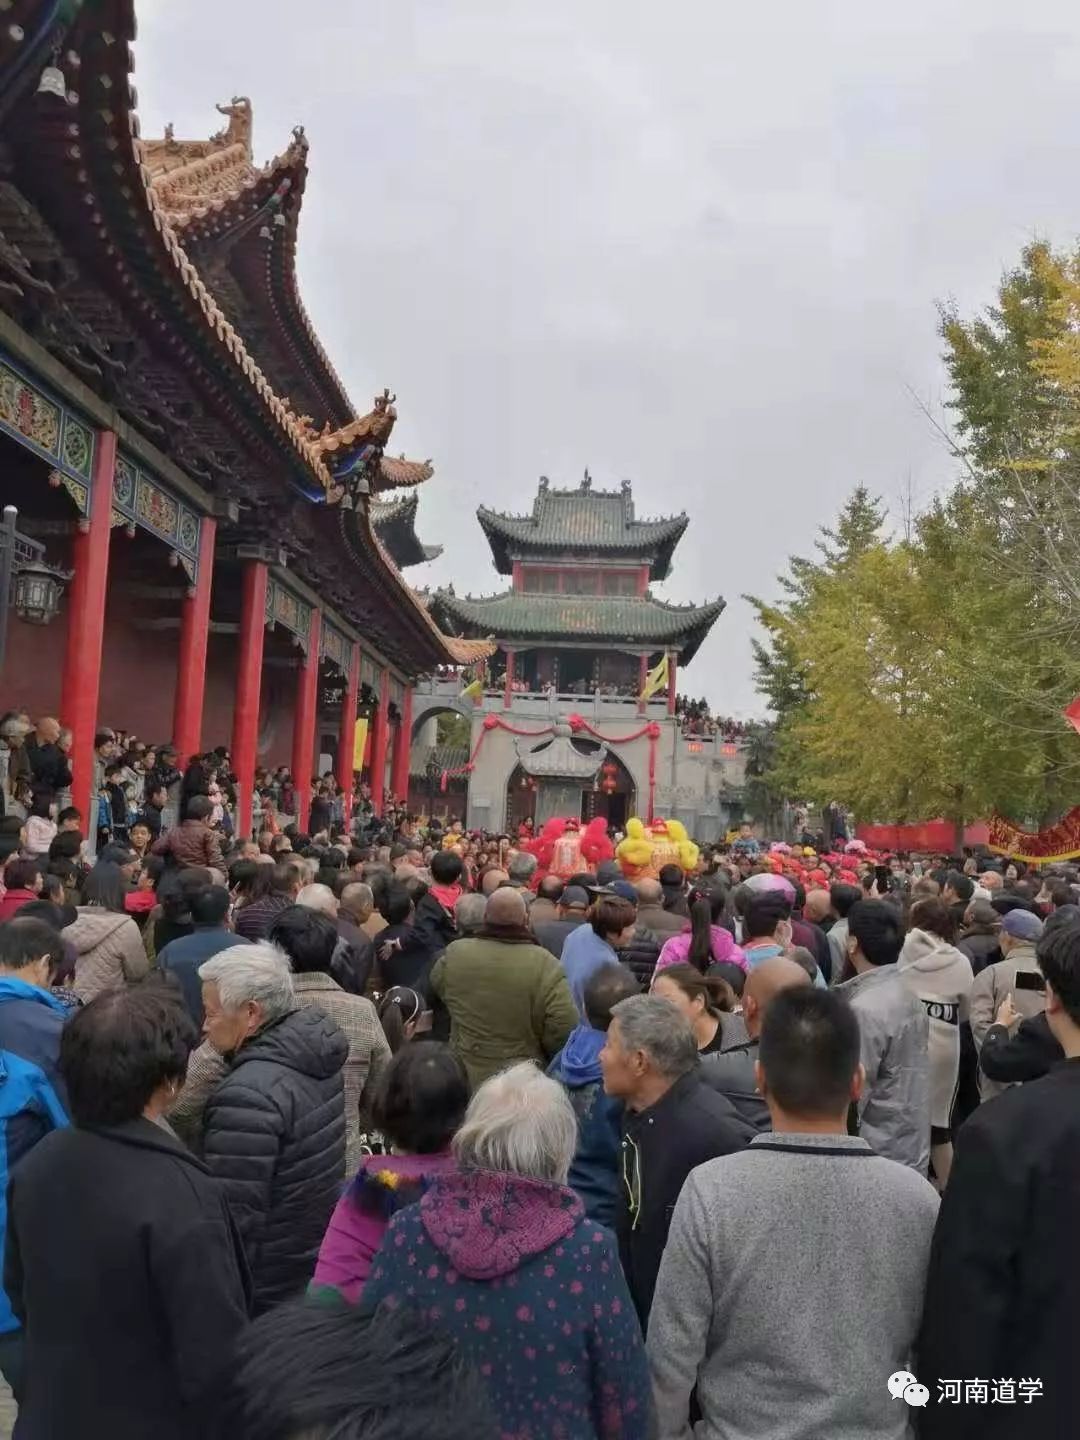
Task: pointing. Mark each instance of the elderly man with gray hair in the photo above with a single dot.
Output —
(274, 1131)
(469, 914)
(521, 870)
(672, 1124)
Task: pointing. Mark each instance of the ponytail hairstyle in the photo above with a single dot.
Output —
(708, 911)
(716, 995)
(399, 1008)
(700, 953)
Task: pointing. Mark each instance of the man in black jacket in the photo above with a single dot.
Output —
(673, 1123)
(274, 1132)
(999, 1297)
(48, 762)
(1029, 1054)
(121, 1254)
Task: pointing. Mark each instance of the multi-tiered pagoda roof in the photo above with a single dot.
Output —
(582, 522)
(579, 531)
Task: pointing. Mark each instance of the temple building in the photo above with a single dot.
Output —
(575, 714)
(208, 532)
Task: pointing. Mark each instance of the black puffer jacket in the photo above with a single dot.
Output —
(275, 1138)
(642, 954)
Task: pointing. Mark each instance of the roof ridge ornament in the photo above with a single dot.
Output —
(241, 123)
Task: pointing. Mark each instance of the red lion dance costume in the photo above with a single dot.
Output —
(563, 848)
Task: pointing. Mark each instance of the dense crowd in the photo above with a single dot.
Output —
(384, 1130)
(698, 720)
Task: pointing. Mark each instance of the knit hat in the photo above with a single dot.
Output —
(1022, 925)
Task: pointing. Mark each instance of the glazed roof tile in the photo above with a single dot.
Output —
(394, 521)
(137, 234)
(583, 520)
(398, 473)
(514, 614)
(214, 196)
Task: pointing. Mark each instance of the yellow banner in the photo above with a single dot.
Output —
(360, 745)
(656, 679)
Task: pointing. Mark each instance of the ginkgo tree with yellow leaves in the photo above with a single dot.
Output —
(922, 674)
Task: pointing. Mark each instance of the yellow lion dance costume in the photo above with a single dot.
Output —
(648, 848)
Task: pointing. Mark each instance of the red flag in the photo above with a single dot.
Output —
(1072, 713)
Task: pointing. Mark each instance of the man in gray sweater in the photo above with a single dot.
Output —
(792, 1282)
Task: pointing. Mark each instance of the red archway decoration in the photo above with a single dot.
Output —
(578, 724)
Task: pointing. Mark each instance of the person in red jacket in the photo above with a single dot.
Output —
(23, 881)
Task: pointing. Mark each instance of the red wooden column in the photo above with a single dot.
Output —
(81, 683)
(194, 634)
(245, 736)
(672, 679)
(307, 704)
(399, 773)
(347, 733)
(508, 685)
(380, 742)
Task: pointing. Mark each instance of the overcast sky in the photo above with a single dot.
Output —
(696, 245)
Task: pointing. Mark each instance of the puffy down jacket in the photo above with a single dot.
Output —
(275, 1137)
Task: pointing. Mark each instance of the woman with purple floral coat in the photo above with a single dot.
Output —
(502, 1256)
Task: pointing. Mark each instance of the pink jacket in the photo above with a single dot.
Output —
(384, 1185)
(677, 949)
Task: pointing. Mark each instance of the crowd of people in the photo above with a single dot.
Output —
(698, 721)
(139, 786)
(384, 1130)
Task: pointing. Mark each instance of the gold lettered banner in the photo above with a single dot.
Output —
(1040, 847)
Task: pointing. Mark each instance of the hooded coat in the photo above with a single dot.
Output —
(533, 1293)
(384, 1184)
(594, 1171)
(940, 977)
(274, 1135)
(109, 951)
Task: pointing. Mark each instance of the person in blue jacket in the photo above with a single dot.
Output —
(32, 1097)
(594, 1171)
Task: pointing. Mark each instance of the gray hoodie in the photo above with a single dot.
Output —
(790, 1290)
(940, 978)
(894, 1112)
